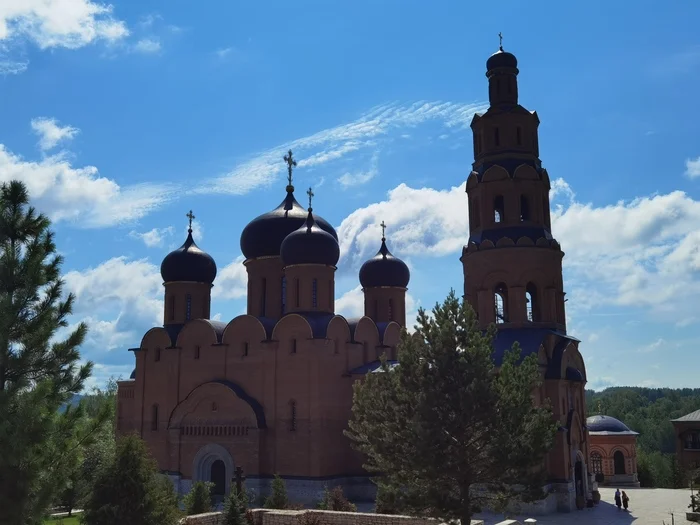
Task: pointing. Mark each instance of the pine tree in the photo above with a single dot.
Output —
(446, 419)
(278, 498)
(131, 490)
(198, 499)
(235, 508)
(39, 365)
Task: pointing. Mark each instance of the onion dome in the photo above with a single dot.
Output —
(263, 236)
(607, 424)
(384, 269)
(501, 59)
(310, 244)
(188, 263)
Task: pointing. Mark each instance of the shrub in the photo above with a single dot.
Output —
(278, 498)
(235, 509)
(387, 500)
(198, 500)
(334, 499)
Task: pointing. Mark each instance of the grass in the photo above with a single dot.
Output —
(73, 520)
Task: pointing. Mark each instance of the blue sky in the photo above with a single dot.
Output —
(123, 118)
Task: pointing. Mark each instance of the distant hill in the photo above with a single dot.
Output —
(647, 411)
(73, 402)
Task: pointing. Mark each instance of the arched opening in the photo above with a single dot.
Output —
(218, 478)
(496, 137)
(263, 297)
(156, 355)
(314, 293)
(578, 477)
(500, 296)
(171, 308)
(292, 415)
(524, 209)
(296, 289)
(154, 417)
(391, 310)
(284, 294)
(619, 461)
(498, 209)
(531, 303)
(596, 463)
(474, 213)
(518, 132)
(188, 307)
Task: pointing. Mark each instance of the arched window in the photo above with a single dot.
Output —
(292, 415)
(245, 349)
(296, 286)
(188, 307)
(284, 294)
(263, 297)
(496, 137)
(500, 296)
(391, 310)
(518, 134)
(498, 209)
(524, 209)
(376, 309)
(533, 314)
(619, 461)
(314, 293)
(331, 301)
(156, 355)
(171, 307)
(196, 352)
(154, 417)
(474, 213)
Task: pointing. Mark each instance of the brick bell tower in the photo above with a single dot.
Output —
(513, 269)
(512, 264)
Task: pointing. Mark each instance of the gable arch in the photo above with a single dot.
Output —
(156, 337)
(244, 327)
(472, 180)
(216, 389)
(526, 172)
(339, 329)
(289, 322)
(199, 330)
(495, 173)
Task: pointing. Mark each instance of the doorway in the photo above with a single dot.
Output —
(578, 478)
(619, 460)
(218, 478)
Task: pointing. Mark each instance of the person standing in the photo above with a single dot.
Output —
(618, 499)
(625, 500)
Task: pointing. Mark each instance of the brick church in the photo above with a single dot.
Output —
(271, 390)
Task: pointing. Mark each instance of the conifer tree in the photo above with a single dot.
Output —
(39, 365)
(278, 498)
(446, 422)
(131, 490)
(198, 499)
(235, 508)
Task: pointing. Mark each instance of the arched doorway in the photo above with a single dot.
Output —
(218, 478)
(619, 460)
(578, 478)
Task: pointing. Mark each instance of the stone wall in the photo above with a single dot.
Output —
(314, 517)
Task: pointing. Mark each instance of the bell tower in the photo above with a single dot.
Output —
(512, 264)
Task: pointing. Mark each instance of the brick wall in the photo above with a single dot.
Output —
(314, 517)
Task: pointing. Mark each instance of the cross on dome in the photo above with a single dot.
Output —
(191, 217)
(500, 41)
(383, 230)
(291, 163)
(310, 193)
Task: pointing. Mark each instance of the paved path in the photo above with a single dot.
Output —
(647, 507)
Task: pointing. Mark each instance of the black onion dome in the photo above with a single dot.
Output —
(263, 236)
(606, 424)
(188, 263)
(384, 270)
(501, 59)
(310, 244)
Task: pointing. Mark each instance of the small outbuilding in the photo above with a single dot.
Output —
(613, 451)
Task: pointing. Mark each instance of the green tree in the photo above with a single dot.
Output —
(198, 499)
(446, 419)
(278, 498)
(40, 369)
(388, 499)
(335, 499)
(235, 508)
(130, 490)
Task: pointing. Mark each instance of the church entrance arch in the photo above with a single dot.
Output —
(619, 460)
(213, 463)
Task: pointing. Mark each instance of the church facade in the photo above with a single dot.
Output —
(271, 391)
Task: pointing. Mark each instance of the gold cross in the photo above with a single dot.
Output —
(310, 193)
(291, 163)
(191, 217)
(383, 229)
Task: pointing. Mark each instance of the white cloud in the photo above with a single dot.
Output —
(12, 67)
(334, 143)
(153, 238)
(224, 52)
(59, 23)
(148, 46)
(50, 133)
(692, 168)
(119, 299)
(362, 177)
(80, 194)
(231, 281)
